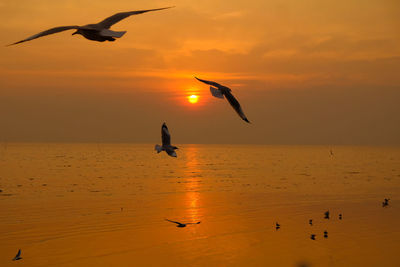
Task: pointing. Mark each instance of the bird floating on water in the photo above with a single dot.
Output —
(166, 142)
(277, 226)
(312, 236)
(219, 91)
(385, 202)
(310, 221)
(326, 215)
(325, 234)
(181, 224)
(18, 256)
(99, 32)
(340, 216)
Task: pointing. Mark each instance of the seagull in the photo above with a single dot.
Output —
(166, 142)
(326, 215)
(385, 202)
(310, 222)
(340, 216)
(325, 234)
(96, 32)
(181, 224)
(219, 91)
(277, 226)
(18, 256)
(312, 236)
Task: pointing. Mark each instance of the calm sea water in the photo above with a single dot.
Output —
(106, 205)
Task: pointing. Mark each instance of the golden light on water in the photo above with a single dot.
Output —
(193, 99)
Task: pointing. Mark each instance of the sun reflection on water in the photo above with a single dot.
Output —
(192, 184)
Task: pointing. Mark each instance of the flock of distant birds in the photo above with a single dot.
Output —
(101, 32)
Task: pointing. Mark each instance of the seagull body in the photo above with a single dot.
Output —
(166, 142)
(325, 234)
(18, 256)
(277, 226)
(312, 236)
(310, 222)
(181, 225)
(219, 91)
(96, 32)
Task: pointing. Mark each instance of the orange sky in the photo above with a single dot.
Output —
(305, 72)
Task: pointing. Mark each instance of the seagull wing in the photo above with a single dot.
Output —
(47, 32)
(108, 22)
(194, 223)
(209, 82)
(165, 136)
(173, 221)
(236, 106)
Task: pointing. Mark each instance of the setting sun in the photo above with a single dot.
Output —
(193, 99)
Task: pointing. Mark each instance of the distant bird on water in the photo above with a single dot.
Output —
(220, 91)
(385, 202)
(277, 226)
(181, 224)
(325, 234)
(310, 222)
(166, 142)
(18, 256)
(340, 216)
(312, 236)
(326, 215)
(96, 32)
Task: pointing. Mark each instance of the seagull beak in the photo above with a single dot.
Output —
(75, 33)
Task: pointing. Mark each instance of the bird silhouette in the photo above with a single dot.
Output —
(99, 32)
(385, 203)
(326, 215)
(166, 142)
(220, 91)
(181, 224)
(18, 256)
(325, 234)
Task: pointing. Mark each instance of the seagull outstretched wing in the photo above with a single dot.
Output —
(173, 221)
(236, 106)
(47, 32)
(210, 83)
(108, 22)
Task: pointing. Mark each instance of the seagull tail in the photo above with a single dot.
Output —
(158, 148)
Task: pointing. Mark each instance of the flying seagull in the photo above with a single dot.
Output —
(181, 224)
(385, 202)
(18, 256)
(220, 91)
(166, 142)
(96, 32)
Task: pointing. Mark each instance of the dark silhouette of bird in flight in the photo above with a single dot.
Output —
(220, 91)
(277, 226)
(325, 234)
(96, 32)
(385, 203)
(340, 216)
(181, 224)
(166, 142)
(312, 236)
(310, 222)
(18, 256)
(326, 215)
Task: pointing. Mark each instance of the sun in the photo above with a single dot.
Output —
(193, 99)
